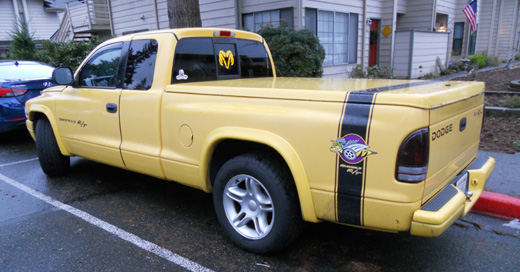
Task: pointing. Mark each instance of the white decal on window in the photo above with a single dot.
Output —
(181, 75)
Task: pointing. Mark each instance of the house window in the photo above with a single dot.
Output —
(256, 20)
(338, 33)
(458, 35)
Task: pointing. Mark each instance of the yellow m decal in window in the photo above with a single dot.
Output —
(226, 59)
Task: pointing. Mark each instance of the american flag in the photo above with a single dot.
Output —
(471, 13)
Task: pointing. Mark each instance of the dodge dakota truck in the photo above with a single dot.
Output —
(204, 108)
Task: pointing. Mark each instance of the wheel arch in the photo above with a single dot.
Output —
(38, 112)
(225, 143)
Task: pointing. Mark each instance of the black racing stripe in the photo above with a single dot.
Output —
(349, 186)
(395, 87)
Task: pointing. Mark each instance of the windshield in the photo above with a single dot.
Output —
(25, 72)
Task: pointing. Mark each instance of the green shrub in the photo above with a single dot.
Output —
(480, 60)
(23, 44)
(510, 101)
(493, 61)
(375, 71)
(295, 53)
(66, 54)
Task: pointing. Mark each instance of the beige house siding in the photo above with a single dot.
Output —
(136, 15)
(419, 16)
(416, 53)
(8, 19)
(42, 24)
(218, 13)
(388, 18)
(427, 47)
(402, 54)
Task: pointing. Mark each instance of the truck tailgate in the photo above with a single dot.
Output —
(454, 138)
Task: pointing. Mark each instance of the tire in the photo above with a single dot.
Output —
(52, 162)
(257, 204)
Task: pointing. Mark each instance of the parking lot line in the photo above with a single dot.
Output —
(129, 237)
(18, 162)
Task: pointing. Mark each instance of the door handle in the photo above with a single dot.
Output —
(111, 107)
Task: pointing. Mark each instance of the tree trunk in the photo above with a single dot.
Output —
(184, 13)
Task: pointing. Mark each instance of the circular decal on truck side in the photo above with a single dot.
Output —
(351, 148)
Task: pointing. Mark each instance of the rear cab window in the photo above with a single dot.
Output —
(206, 59)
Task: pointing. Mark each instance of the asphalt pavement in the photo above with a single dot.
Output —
(505, 178)
(502, 191)
(101, 218)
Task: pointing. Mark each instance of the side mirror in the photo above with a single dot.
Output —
(62, 76)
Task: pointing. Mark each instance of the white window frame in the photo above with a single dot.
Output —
(263, 24)
(349, 14)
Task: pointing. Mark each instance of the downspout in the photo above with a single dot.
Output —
(16, 11)
(492, 26)
(512, 33)
(300, 14)
(26, 14)
(364, 48)
(434, 15)
(394, 25)
(112, 32)
(410, 56)
(515, 37)
(156, 14)
(498, 29)
(237, 14)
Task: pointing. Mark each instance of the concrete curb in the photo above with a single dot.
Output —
(498, 205)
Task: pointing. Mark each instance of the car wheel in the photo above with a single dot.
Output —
(52, 162)
(256, 203)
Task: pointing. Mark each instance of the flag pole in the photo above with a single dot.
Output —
(468, 39)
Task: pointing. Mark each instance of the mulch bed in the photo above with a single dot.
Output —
(500, 134)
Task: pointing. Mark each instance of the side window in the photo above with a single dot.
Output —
(140, 65)
(227, 62)
(254, 61)
(194, 61)
(101, 69)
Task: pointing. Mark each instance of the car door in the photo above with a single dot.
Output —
(147, 70)
(88, 111)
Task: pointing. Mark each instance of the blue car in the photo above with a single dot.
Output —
(19, 82)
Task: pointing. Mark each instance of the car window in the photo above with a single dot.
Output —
(25, 72)
(204, 59)
(194, 61)
(101, 69)
(254, 60)
(140, 65)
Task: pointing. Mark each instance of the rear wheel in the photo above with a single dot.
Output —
(256, 203)
(52, 162)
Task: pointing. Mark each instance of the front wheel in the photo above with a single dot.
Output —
(52, 162)
(256, 203)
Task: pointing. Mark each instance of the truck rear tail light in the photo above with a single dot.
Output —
(223, 33)
(412, 159)
(8, 92)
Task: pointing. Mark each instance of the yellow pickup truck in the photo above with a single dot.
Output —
(203, 107)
